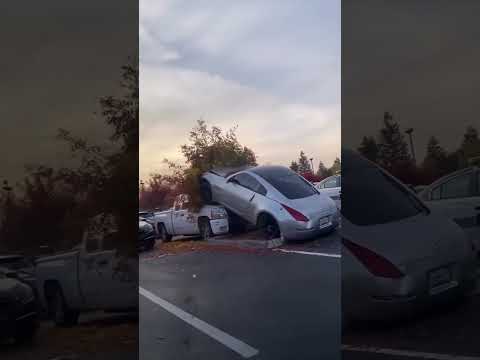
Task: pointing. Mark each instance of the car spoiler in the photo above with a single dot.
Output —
(227, 171)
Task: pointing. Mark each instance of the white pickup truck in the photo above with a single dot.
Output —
(208, 221)
(92, 276)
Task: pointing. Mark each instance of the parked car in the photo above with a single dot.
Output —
(457, 196)
(22, 268)
(18, 310)
(397, 255)
(332, 187)
(146, 235)
(274, 198)
(91, 276)
(210, 220)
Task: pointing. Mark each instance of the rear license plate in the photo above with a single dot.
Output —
(324, 221)
(439, 277)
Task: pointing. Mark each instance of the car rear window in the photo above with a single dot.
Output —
(287, 182)
(372, 197)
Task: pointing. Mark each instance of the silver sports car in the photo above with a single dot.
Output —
(397, 256)
(274, 198)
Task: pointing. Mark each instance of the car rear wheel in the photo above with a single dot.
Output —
(60, 313)
(205, 229)
(164, 235)
(269, 227)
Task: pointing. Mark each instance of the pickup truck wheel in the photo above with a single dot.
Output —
(205, 229)
(61, 314)
(164, 235)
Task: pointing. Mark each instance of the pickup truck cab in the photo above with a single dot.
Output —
(90, 277)
(208, 221)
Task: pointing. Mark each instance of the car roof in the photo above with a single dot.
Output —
(270, 169)
(227, 171)
(448, 176)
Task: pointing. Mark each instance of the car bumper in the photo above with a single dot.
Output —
(219, 226)
(291, 231)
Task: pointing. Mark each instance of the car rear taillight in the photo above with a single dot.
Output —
(297, 215)
(375, 264)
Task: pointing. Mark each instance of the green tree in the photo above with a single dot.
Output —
(294, 166)
(436, 162)
(208, 148)
(336, 167)
(470, 147)
(323, 171)
(369, 148)
(393, 149)
(304, 165)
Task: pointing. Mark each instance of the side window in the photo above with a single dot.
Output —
(330, 183)
(435, 194)
(458, 187)
(251, 183)
(321, 186)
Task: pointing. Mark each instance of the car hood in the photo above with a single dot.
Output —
(431, 238)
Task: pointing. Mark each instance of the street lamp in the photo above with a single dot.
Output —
(412, 149)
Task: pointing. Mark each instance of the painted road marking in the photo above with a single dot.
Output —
(309, 253)
(406, 353)
(232, 343)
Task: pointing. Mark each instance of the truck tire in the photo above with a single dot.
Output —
(164, 235)
(59, 311)
(206, 192)
(205, 229)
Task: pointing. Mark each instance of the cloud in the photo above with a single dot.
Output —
(247, 64)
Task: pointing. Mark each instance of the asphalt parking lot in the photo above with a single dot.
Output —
(277, 303)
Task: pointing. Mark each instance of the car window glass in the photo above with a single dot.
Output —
(330, 183)
(369, 185)
(251, 183)
(457, 188)
(287, 182)
(436, 193)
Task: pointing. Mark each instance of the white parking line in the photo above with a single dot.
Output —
(406, 353)
(232, 343)
(309, 253)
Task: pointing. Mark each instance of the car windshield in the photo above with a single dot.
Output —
(287, 182)
(372, 197)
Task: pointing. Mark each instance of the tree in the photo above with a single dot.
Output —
(470, 147)
(207, 148)
(336, 167)
(369, 148)
(322, 171)
(304, 165)
(294, 166)
(436, 162)
(393, 149)
(156, 194)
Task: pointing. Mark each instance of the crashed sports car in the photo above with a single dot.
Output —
(273, 198)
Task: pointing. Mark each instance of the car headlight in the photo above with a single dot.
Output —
(218, 214)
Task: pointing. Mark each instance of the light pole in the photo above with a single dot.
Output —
(412, 149)
(311, 162)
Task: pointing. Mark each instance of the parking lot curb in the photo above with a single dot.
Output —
(247, 243)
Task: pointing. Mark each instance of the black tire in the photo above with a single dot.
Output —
(59, 311)
(269, 227)
(206, 192)
(150, 245)
(236, 224)
(164, 235)
(205, 229)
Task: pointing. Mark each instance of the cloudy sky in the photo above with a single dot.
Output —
(270, 67)
(416, 59)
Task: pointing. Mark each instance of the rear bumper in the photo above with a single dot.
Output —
(291, 231)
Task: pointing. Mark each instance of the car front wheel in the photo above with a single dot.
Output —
(205, 229)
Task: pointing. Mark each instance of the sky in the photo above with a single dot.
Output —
(271, 67)
(58, 59)
(418, 60)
